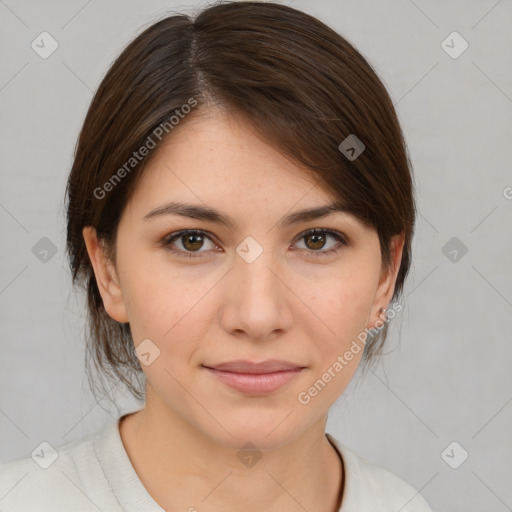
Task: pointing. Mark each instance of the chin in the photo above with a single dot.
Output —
(266, 431)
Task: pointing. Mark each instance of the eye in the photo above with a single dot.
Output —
(191, 241)
(315, 241)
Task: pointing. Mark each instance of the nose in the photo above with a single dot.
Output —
(258, 304)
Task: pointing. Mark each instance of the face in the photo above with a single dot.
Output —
(258, 286)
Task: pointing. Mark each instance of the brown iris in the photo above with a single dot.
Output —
(194, 240)
(318, 240)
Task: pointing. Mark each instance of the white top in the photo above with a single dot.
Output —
(95, 474)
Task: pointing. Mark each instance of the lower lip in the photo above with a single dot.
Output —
(255, 384)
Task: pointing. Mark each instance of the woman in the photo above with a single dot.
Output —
(240, 211)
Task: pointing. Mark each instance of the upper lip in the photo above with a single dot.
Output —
(268, 366)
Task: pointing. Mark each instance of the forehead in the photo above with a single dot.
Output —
(219, 158)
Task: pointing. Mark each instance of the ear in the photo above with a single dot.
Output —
(106, 276)
(387, 281)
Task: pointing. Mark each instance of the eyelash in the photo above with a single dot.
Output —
(167, 241)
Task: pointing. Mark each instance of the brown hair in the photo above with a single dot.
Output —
(304, 88)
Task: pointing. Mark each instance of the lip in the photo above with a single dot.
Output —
(255, 378)
(244, 366)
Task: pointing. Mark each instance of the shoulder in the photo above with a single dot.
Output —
(370, 487)
(54, 478)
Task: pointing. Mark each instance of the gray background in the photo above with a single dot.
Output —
(447, 376)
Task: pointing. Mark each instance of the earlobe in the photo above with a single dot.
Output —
(106, 276)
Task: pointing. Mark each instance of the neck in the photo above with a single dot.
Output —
(303, 474)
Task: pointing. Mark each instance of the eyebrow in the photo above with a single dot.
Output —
(199, 212)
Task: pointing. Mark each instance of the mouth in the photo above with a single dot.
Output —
(255, 378)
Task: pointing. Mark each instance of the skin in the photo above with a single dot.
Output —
(290, 303)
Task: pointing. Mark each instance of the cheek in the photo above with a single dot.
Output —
(347, 301)
(155, 294)
(338, 339)
(343, 310)
(165, 309)
(167, 305)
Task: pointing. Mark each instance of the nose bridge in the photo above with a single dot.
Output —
(253, 265)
